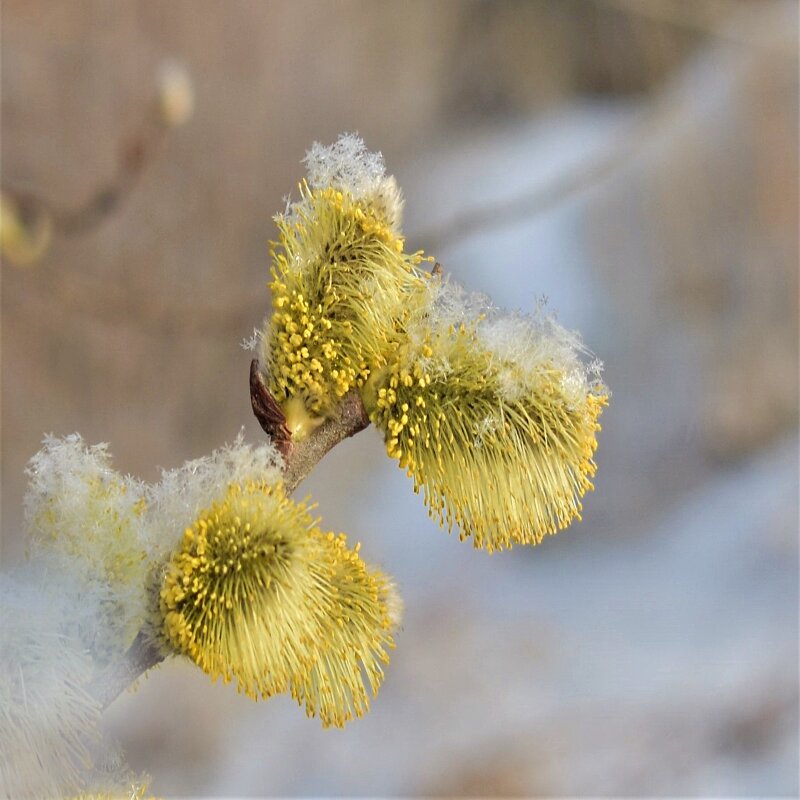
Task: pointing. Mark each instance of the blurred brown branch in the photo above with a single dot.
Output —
(134, 157)
(26, 209)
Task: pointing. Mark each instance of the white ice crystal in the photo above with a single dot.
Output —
(535, 341)
(345, 164)
(348, 166)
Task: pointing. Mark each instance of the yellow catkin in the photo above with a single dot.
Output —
(257, 593)
(341, 284)
(505, 468)
(355, 642)
(241, 595)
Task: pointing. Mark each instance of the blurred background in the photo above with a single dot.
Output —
(634, 161)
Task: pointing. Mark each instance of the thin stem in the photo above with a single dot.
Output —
(304, 456)
(301, 457)
(109, 684)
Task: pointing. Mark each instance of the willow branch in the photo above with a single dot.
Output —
(304, 456)
(299, 458)
(111, 682)
(711, 20)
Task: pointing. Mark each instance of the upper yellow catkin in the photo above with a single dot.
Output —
(258, 593)
(505, 467)
(341, 284)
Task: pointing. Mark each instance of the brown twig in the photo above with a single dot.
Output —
(300, 458)
(538, 199)
(351, 417)
(134, 157)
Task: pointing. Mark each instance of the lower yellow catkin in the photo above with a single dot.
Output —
(258, 594)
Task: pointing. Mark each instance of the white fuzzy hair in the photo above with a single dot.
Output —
(519, 343)
(50, 741)
(48, 719)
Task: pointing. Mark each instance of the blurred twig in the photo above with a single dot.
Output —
(24, 205)
(539, 198)
(133, 159)
(652, 118)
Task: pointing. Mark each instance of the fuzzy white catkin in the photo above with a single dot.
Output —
(89, 519)
(50, 741)
(48, 720)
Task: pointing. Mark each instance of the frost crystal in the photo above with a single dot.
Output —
(347, 166)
